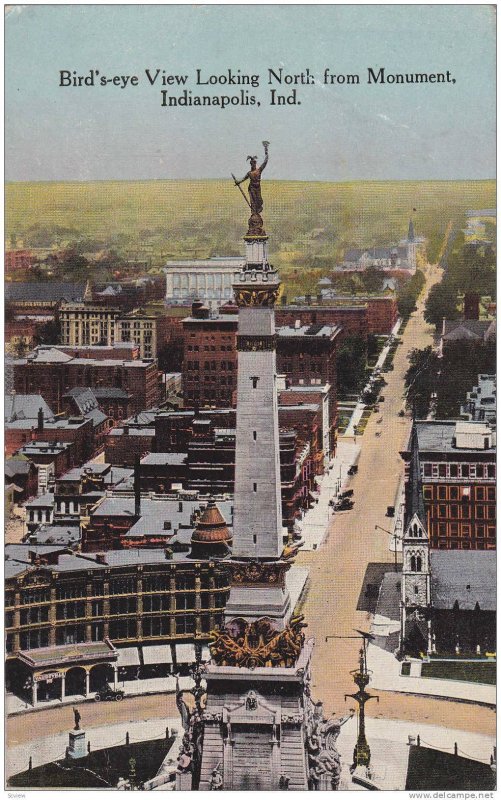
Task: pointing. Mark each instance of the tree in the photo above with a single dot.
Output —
(48, 333)
(421, 380)
(441, 302)
(373, 279)
(351, 361)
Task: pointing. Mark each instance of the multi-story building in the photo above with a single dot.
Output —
(210, 358)
(203, 279)
(148, 328)
(448, 595)
(41, 300)
(352, 319)
(480, 404)
(75, 621)
(78, 430)
(306, 355)
(358, 315)
(51, 372)
(88, 323)
(17, 261)
(458, 472)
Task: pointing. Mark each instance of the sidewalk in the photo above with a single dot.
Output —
(386, 676)
(52, 748)
(360, 406)
(389, 743)
(316, 521)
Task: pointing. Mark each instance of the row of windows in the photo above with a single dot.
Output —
(464, 512)
(456, 529)
(208, 348)
(459, 470)
(124, 585)
(464, 493)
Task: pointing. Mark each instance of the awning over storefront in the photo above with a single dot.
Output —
(157, 654)
(128, 657)
(185, 653)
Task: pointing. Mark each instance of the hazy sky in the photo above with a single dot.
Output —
(341, 132)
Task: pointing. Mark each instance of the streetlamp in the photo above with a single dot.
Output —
(396, 538)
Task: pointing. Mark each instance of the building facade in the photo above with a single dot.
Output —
(96, 605)
(458, 471)
(205, 279)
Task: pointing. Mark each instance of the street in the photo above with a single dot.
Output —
(337, 571)
(338, 567)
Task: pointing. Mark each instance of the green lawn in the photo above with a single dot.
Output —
(471, 671)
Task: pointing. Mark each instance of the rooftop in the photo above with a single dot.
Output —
(318, 330)
(25, 406)
(436, 436)
(161, 459)
(44, 291)
(465, 576)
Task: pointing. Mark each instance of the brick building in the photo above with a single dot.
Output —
(17, 262)
(306, 355)
(52, 372)
(458, 472)
(353, 319)
(209, 358)
(358, 315)
(78, 430)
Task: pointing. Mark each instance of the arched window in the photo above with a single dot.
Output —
(419, 564)
(413, 563)
(415, 531)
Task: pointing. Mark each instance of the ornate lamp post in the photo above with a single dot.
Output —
(361, 676)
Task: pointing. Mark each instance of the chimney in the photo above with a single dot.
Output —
(101, 558)
(40, 419)
(307, 299)
(137, 487)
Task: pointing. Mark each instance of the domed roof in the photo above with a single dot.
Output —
(211, 527)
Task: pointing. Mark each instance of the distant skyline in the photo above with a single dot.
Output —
(441, 131)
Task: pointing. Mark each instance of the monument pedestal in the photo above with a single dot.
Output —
(77, 747)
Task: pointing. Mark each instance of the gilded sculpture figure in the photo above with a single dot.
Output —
(258, 644)
(255, 201)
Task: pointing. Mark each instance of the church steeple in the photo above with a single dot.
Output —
(415, 499)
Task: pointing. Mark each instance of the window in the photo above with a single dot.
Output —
(479, 493)
(185, 601)
(491, 493)
(442, 470)
(124, 585)
(465, 470)
(442, 511)
(453, 492)
(491, 470)
(70, 610)
(123, 605)
(453, 470)
(442, 492)
(185, 623)
(479, 471)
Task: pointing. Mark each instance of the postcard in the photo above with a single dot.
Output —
(250, 398)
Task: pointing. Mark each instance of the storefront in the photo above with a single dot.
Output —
(54, 673)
